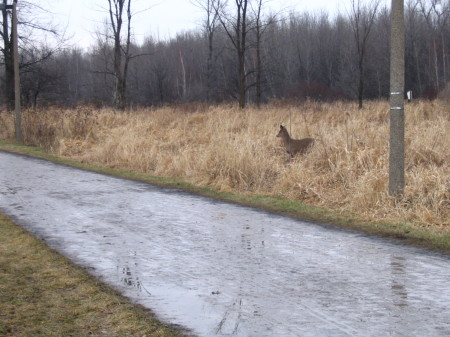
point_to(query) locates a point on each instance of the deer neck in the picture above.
(286, 139)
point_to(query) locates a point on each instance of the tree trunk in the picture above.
(444, 65)
(238, 36)
(119, 90)
(120, 68)
(258, 56)
(362, 20)
(209, 69)
(212, 8)
(183, 79)
(241, 35)
(361, 82)
(436, 64)
(242, 100)
(419, 76)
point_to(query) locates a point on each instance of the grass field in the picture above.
(228, 149)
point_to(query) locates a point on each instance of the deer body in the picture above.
(294, 146)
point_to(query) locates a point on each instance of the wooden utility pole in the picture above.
(18, 118)
(397, 111)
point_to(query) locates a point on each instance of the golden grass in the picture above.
(234, 150)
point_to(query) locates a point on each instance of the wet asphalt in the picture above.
(219, 269)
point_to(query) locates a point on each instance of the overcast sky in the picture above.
(162, 19)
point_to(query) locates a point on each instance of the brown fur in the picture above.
(294, 146)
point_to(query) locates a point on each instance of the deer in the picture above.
(294, 146)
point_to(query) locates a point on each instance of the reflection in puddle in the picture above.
(128, 272)
(128, 279)
(246, 241)
(398, 270)
(132, 281)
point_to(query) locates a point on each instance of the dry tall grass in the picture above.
(231, 149)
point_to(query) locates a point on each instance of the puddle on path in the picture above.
(225, 270)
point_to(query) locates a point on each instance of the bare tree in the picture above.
(39, 78)
(437, 16)
(412, 15)
(161, 74)
(30, 20)
(259, 34)
(212, 9)
(101, 68)
(237, 29)
(116, 13)
(362, 18)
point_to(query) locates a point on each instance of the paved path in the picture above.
(225, 270)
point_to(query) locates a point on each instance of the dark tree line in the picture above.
(283, 56)
(31, 56)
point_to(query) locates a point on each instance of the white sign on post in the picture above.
(409, 95)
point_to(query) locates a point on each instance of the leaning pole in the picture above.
(397, 110)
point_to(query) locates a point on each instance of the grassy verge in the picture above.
(429, 237)
(43, 294)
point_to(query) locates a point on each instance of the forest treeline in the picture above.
(287, 56)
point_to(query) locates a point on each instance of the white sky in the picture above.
(163, 19)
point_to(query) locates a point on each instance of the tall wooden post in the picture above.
(397, 111)
(18, 117)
